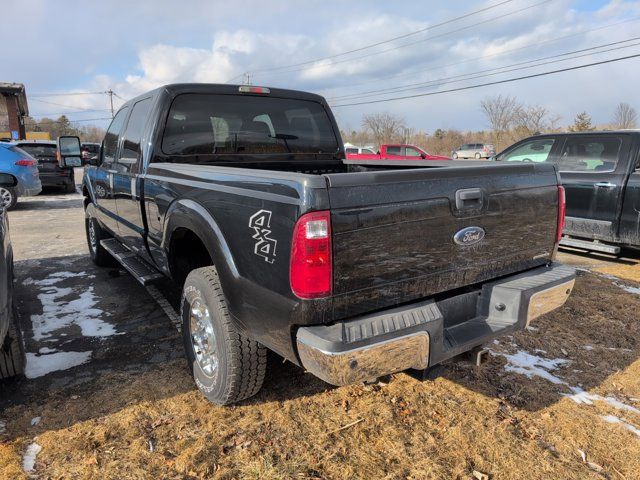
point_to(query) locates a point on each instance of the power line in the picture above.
(380, 52)
(504, 52)
(366, 47)
(498, 82)
(494, 71)
(70, 112)
(64, 94)
(60, 104)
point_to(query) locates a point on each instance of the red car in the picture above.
(396, 152)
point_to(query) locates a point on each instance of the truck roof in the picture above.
(174, 89)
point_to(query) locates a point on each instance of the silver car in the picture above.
(474, 150)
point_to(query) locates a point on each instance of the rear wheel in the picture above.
(12, 356)
(478, 156)
(8, 197)
(227, 366)
(95, 233)
(454, 156)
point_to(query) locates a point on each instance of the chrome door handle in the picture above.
(112, 171)
(605, 185)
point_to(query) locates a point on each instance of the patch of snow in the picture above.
(45, 350)
(58, 312)
(532, 329)
(3, 427)
(588, 347)
(29, 459)
(35, 421)
(628, 426)
(581, 397)
(40, 365)
(531, 365)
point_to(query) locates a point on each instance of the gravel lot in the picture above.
(108, 395)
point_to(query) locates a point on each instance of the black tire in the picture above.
(454, 156)
(99, 255)
(70, 188)
(12, 356)
(8, 197)
(240, 362)
(478, 156)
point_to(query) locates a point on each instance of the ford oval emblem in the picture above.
(469, 236)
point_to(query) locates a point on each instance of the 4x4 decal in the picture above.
(265, 246)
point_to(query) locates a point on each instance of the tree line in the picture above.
(61, 126)
(509, 121)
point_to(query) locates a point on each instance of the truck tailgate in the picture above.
(393, 230)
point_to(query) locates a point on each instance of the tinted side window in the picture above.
(412, 152)
(131, 151)
(111, 137)
(590, 154)
(394, 150)
(351, 150)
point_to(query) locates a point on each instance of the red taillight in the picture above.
(562, 209)
(26, 163)
(310, 271)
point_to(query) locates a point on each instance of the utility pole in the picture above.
(247, 78)
(110, 93)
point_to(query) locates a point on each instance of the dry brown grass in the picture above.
(155, 425)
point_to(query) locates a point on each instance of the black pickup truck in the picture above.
(600, 172)
(242, 196)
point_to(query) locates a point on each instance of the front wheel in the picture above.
(8, 197)
(454, 156)
(227, 366)
(478, 156)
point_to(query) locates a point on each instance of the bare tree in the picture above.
(625, 116)
(501, 112)
(385, 127)
(534, 119)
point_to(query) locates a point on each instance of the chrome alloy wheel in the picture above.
(203, 337)
(6, 197)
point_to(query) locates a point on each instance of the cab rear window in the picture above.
(208, 124)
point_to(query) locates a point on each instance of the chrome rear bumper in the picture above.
(426, 333)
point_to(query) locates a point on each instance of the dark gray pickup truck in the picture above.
(601, 174)
(242, 196)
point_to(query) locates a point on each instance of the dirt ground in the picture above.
(109, 396)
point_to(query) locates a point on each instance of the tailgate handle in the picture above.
(470, 198)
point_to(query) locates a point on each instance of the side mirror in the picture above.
(8, 181)
(69, 154)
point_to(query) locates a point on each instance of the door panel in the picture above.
(102, 180)
(629, 232)
(594, 178)
(126, 180)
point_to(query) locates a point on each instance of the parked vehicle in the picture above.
(474, 150)
(601, 176)
(90, 152)
(352, 270)
(12, 356)
(354, 150)
(51, 174)
(397, 152)
(23, 167)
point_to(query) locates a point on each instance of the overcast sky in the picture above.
(131, 47)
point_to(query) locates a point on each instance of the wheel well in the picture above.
(186, 252)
